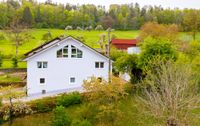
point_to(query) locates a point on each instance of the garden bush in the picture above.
(61, 118)
(43, 105)
(18, 109)
(15, 62)
(69, 99)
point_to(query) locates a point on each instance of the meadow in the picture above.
(91, 38)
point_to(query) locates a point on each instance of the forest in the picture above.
(122, 17)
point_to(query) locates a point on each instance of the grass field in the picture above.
(91, 37)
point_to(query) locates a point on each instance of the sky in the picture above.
(164, 3)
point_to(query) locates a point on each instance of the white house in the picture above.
(61, 65)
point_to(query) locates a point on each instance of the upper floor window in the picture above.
(62, 52)
(99, 64)
(76, 53)
(42, 64)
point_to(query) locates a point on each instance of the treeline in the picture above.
(123, 17)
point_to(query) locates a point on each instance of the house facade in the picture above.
(63, 64)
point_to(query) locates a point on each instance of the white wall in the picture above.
(59, 71)
(133, 50)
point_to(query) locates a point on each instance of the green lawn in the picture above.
(91, 37)
(8, 78)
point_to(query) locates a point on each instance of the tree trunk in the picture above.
(194, 35)
(172, 122)
(10, 112)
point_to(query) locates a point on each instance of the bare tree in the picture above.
(15, 33)
(170, 92)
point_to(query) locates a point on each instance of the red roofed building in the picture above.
(124, 44)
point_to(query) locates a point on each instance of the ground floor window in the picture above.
(42, 80)
(72, 80)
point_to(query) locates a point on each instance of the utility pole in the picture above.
(109, 65)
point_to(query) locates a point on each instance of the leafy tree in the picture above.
(191, 21)
(155, 48)
(27, 16)
(107, 21)
(128, 64)
(156, 30)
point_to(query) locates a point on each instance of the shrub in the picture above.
(61, 118)
(88, 111)
(68, 27)
(43, 105)
(69, 99)
(81, 123)
(15, 62)
(79, 28)
(99, 27)
(18, 109)
(2, 37)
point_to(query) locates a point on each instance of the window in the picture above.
(72, 79)
(76, 53)
(96, 64)
(45, 64)
(43, 91)
(62, 52)
(99, 64)
(42, 64)
(39, 64)
(42, 80)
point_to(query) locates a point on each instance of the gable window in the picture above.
(62, 52)
(75, 52)
(99, 64)
(42, 80)
(72, 80)
(41, 64)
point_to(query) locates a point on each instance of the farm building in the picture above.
(129, 45)
(62, 64)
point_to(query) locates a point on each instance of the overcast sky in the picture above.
(164, 3)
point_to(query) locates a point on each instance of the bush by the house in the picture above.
(43, 105)
(69, 99)
(61, 118)
(15, 62)
(18, 109)
(81, 123)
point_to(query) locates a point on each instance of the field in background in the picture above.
(91, 38)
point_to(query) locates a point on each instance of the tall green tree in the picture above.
(27, 16)
(191, 21)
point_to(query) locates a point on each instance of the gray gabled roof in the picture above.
(52, 43)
